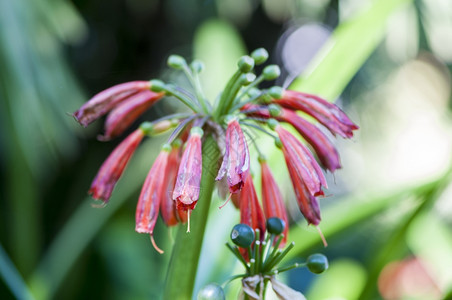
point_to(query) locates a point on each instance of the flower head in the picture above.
(126, 112)
(272, 199)
(236, 159)
(328, 114)
(300, 160)
(113, 167)
(106, 100)
(186, 190)
(151, 194)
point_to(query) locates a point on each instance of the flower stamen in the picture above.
(155, 245)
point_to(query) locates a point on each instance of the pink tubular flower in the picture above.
(325, 150)
(300, 160)
(168, 205)
(272, 199)
(328, 114)
(186, 190)
(113, 167)
(308, 204)
(106, 100)
(126, 112)
(151, 194)
(250, 209)
(236, 160)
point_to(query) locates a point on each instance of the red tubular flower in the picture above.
(151, 194)
(168, 205)
(325, 150)
(300, 159)
(272, 199)
(113, 167)
(126, 112)
(236, 160)
(106, 100)
(328, 114)
(250, 209)
(308, 204)
(186, 190)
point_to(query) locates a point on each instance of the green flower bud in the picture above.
(242, 235)
(317, 263)
(278, 143)
(197, 66)
(274, 110)
(276, 92)
(197, 130)
(246, 64)
(272, 123)
(176, 62)
(275, 225)
(157, 85)
(260, 56)
(247, 78)
(212, 291)
(254, 92)
(166, 147)
(146, 127)
(271, 72)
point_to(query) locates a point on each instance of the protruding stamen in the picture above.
(325, 244)
(188, 220)
(155, 245)
(226, 202)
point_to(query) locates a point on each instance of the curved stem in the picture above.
(184, 259)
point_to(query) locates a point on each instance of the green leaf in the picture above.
(351, 43)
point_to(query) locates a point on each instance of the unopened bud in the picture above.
(245, 64)
(176, 62)
(271, 72)
(276, 92)
(260, 56)
(197, 66)
(274, 110)
(157, 85)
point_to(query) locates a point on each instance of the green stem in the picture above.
(184, 259)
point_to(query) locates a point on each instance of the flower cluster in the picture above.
(259, 253)
(172, 187)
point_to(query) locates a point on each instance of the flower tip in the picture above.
(100, 205)
(155, 245)
(78, 117)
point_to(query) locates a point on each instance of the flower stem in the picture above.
(184, 259)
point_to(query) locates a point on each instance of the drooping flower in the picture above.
(325, 150)
(186, 190)
(250, 209)
(151, 194)
(300, 159)
(236, 159)
(168, 205)
(272, 199)
(126, 112)
(328, 114)
(106, 100)
(113, 167)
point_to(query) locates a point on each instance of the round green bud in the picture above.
(166, 147)
(260, 56)
(247, 78)
(242, 235)
(272, 123)
(278, 143)
(197, 130)
(276, 92)
(254, 92)
(271, 72)
(197, 66)
(275, 225)
(157, 86)
(146, 127)
(177, 143)
(317, 263)
(245, 64)
(274, 110)
(212, 291)
(176, 62)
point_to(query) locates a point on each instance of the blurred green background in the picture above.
(387, 214)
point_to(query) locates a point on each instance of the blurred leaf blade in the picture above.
(351, 43)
